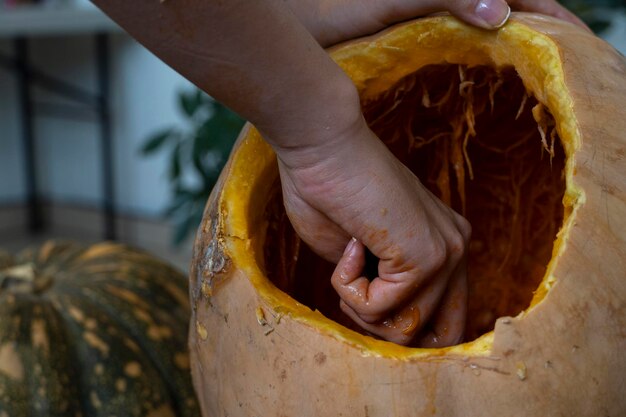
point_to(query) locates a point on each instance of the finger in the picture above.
(348, 280)
(402, 326)
(445, 312)
(347, 273)
(352, 287)
(372, 301)
(550, 8)
(448, 324)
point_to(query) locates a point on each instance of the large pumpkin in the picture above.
(524, 131)
(93, 331)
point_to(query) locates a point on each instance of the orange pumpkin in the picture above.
(522, 130)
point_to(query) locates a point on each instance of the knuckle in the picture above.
(456, 247)
(458, 241)
(368, 312)
(372, 312)
(363, 312)
(371, 318)
(465, 228)
(401, 339)
(437, 257)
(449, 249)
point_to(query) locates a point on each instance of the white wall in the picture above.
(144, 97)
(145, 101)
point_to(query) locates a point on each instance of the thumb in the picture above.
(488, 14)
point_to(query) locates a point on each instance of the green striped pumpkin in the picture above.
(93, 331)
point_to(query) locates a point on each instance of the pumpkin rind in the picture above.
(106, 337)
(256, 351)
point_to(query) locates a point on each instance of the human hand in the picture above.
(360, 195)
(334, 21)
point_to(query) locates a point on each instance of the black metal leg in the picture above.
(35, 218)
(106, 139)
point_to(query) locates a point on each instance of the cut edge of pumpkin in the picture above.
(373, 66)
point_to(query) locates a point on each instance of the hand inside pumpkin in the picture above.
(360, 189)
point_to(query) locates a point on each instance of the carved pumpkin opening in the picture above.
(482, 144)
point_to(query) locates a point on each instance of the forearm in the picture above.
(254, 56)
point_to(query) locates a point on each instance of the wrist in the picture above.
(319, 128)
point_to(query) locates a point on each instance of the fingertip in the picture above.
(492, 14)
(350, 246)
(348, 280)
(505, 19)
(447, 327)
(350, 265)
(445, 330)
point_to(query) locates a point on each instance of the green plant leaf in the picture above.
(214, 129)
(190, 102)
(207, 173)
(175, 165)
(598, 26)
(181, 199)
(156, 141)
(218, 133)
(188, 223)
(182, 229)
(203, 141)
(597, 14)
(200, 168)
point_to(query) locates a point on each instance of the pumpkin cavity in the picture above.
(482, 144)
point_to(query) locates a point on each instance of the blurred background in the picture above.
(100, 140)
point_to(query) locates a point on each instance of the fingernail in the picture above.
(494, 13)
(349, 246)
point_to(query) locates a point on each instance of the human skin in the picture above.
(343, 190)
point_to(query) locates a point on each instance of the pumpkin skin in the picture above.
(93, 331)
(257, 351)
